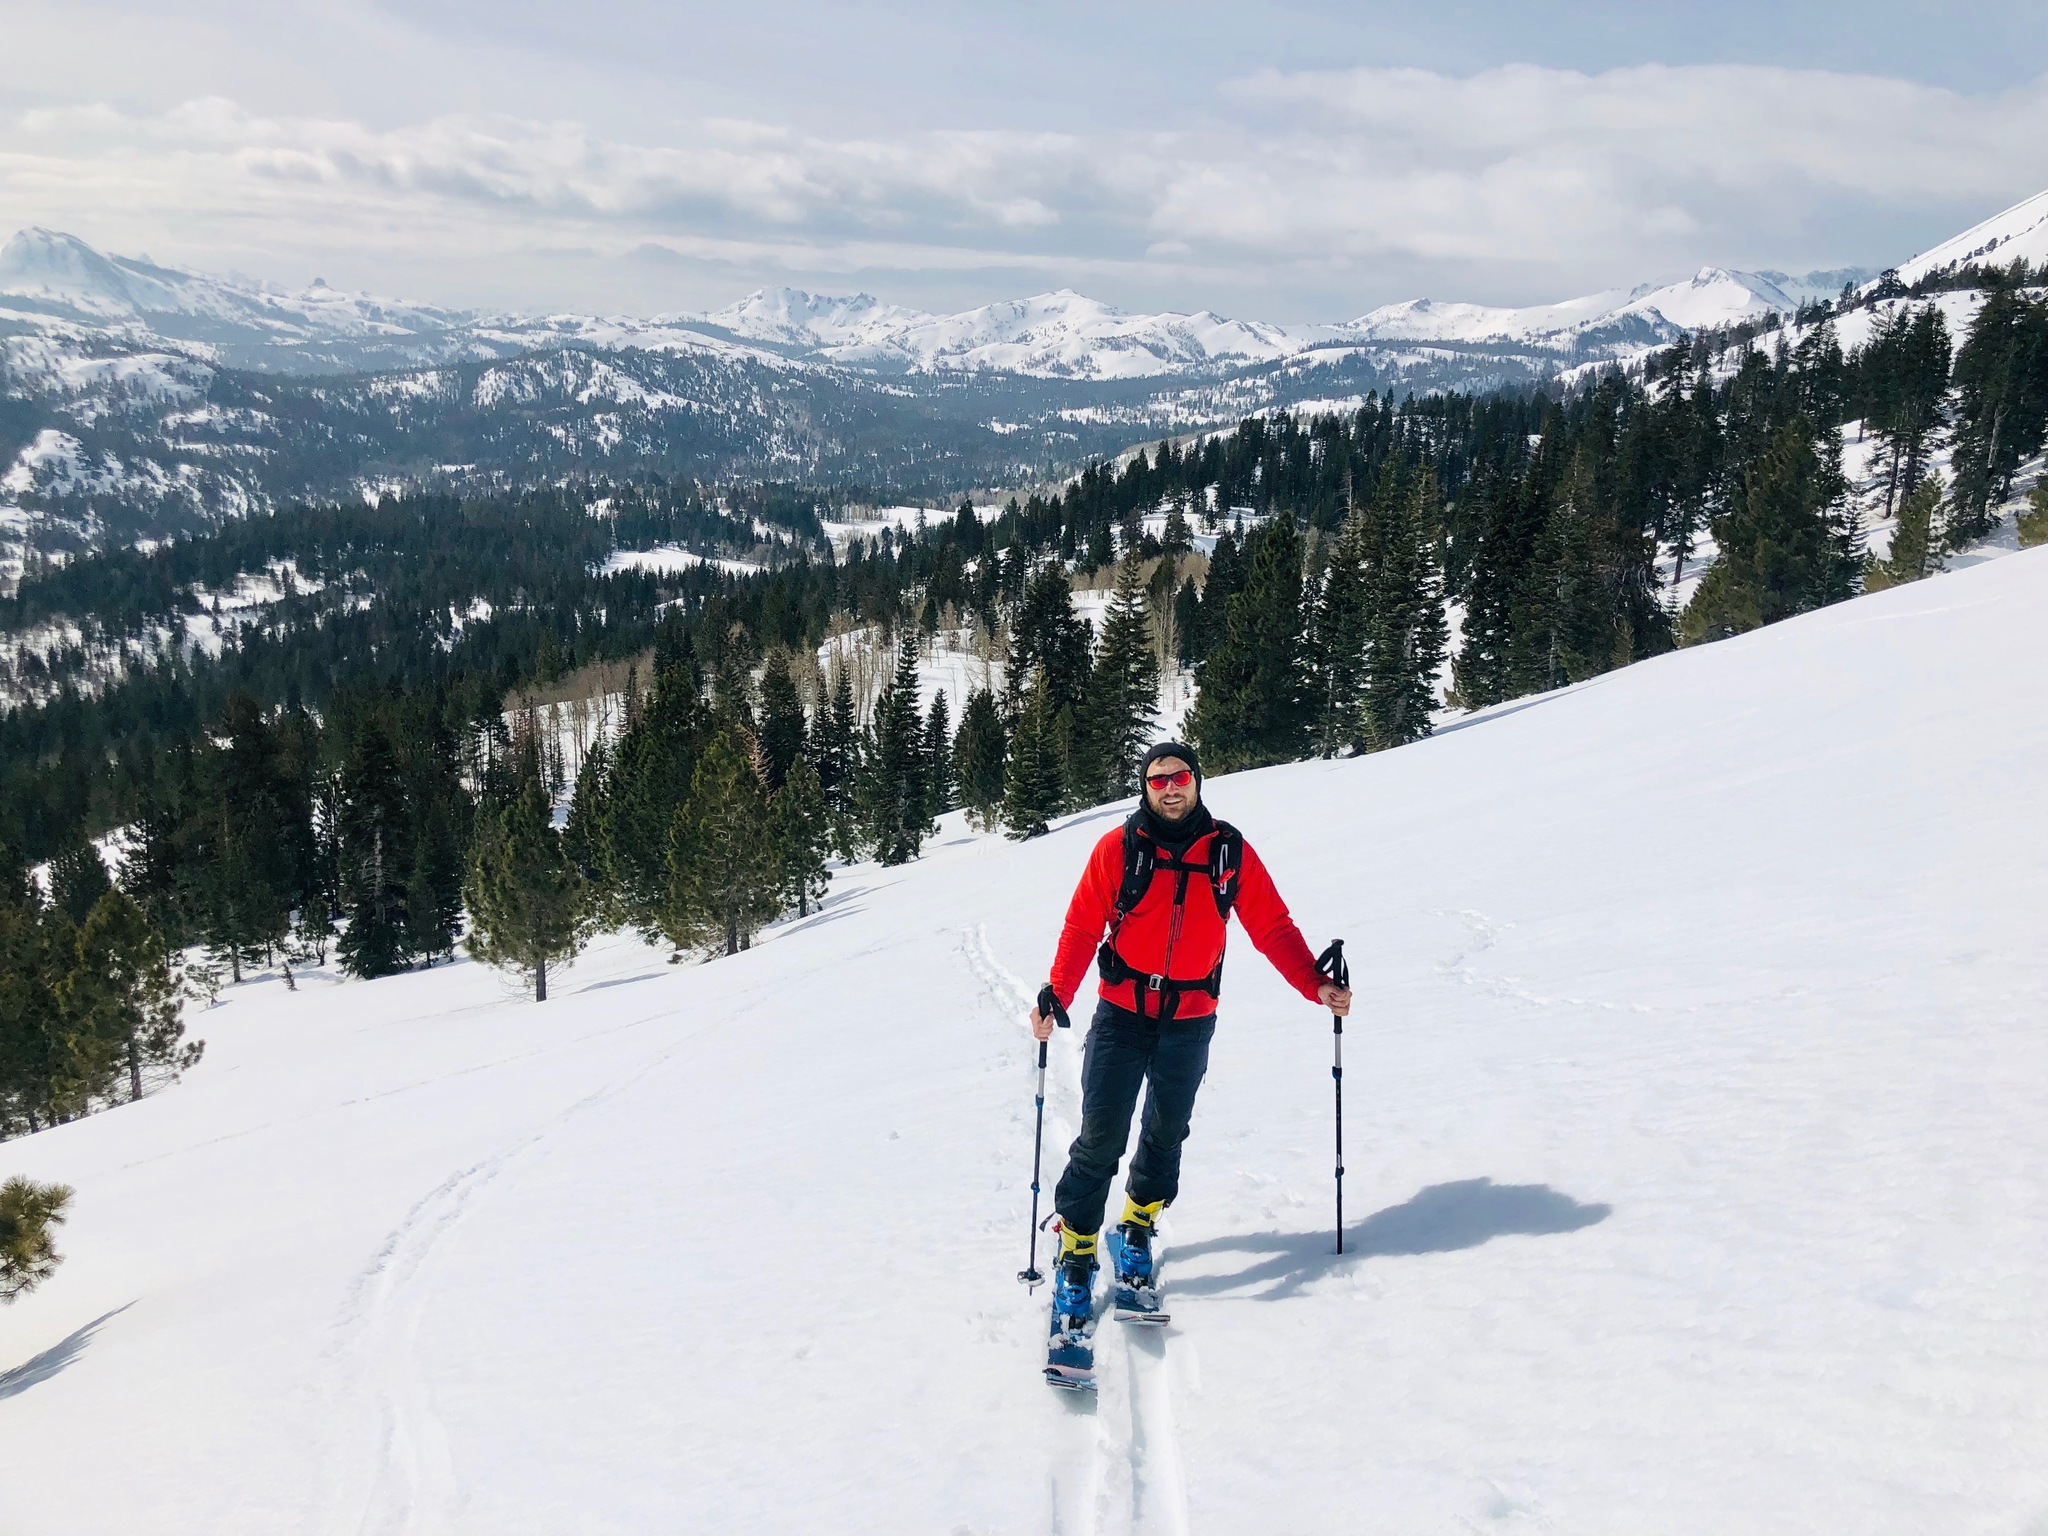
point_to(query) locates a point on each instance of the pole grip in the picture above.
(1049, 1003)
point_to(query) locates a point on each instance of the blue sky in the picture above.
(1289, 162)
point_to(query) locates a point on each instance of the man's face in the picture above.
(1175, 800)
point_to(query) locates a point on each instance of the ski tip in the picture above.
(1066, 1383)
(1144, 1317)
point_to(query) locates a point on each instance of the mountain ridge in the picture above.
(1057, 334)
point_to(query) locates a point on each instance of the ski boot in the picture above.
(1130, 1250)
(1070, 1351)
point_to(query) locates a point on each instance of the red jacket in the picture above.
(1147, 938)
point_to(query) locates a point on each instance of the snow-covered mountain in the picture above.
(2020, 231)
(57, 280)
(1068, 335)
(58, 274)
(793, 318)
(1693, 1137)
(1050, 335)
(1647, 314)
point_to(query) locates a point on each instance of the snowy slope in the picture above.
(1693, 1134)
(2022, 230)
(1713, 296)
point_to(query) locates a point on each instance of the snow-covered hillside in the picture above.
(1641, 315)
(1693, 1132)
(2020, 231)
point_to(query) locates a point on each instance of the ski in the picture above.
(1070, 1357)
(1133, 1302)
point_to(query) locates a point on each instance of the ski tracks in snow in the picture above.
(1117, 1468)
(402, 1476)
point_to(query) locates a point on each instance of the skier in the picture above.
(1152, 908)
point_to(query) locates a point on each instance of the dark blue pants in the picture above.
(1124, 1053)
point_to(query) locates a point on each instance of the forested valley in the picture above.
(338, 732)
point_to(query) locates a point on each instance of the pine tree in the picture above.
(78, 879)
(2001, 375)
(28, 1250)
(980, 756)
(1048, 633)
(1122, 703)
(1511, 529)
(38, 951)
(1187, 623)
(525, 896)
(833, 743)
(941, 787)
(149, 874)
(1906, 375)
(1177, 540)
(1205, 625)
(782, 719)
(376, 858)
(1912, 541)
(123, 998)
(1035, 785)
(1343, 633)
(657, 760)
(588, 835)
(894, 790)
(1408, 637)
(2033, 523)
(433, 888)
(1254, 706)
(1786, 543)
(802, 835)
(248, 853)
(722, 855)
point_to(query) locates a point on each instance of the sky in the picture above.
(1290, 162)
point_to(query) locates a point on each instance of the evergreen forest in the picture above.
(333, 734)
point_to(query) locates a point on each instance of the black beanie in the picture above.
(1179, 749)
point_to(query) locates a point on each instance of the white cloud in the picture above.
(1541, 180)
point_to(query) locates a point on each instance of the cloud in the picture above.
(1542, 180)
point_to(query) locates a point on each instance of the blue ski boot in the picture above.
(1130, 1250)
(1070, 1350)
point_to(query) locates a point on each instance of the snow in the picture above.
(1693, 1140)
(666, 559)
(1713, 296)
(1060, 335)
(2021, 230)
(868, 522)
(56, 268)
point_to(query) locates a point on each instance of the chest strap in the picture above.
(1140, 864)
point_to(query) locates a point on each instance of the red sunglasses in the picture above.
(1179, 780)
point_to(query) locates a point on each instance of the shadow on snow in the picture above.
(52, 1360)
(1444, 1218)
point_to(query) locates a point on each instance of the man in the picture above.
(1160, 887)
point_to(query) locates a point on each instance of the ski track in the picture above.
(406, 1479)
(1134, 1481)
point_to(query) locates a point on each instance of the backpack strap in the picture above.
(1141, 858)
(1226, 859)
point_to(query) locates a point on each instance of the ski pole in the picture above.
(1047, 1004)
(1331, 966)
